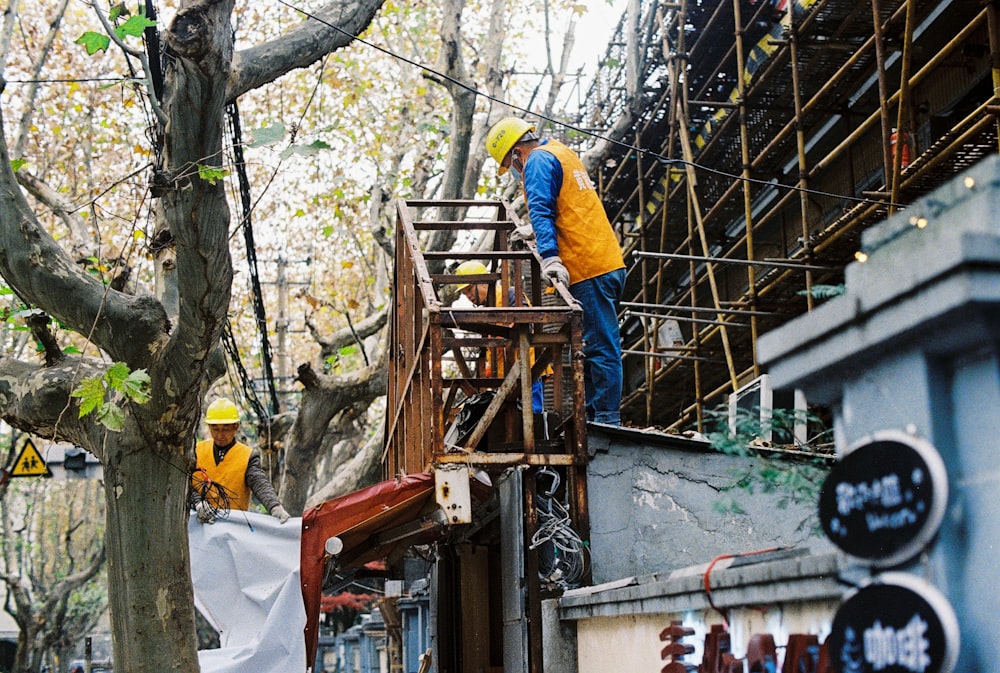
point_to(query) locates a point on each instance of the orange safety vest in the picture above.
(230, 473)
(587, 244)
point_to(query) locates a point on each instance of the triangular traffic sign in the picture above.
(30, 463)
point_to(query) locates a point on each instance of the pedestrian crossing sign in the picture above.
(30, 463)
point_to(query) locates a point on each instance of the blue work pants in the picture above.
(602, 348)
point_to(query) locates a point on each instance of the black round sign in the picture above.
(884, 500)
(898, 624)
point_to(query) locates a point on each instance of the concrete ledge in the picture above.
(797, 579)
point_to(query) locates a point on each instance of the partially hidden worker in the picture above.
(578, 248)
(228, 472)
(477, 294)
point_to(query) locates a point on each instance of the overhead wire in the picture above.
(577, 129)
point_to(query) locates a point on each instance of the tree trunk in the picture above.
(149, 574)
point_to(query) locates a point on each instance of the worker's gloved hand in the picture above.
(205, 513)
(520, 235)
(553, 270)
(280, 513)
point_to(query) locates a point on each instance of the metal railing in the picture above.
(447, 358)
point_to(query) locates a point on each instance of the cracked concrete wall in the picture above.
(657, 504)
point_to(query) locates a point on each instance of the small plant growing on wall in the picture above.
(791, 453)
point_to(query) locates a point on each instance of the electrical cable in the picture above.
(576, 129)
(566, 564)
(260, 315)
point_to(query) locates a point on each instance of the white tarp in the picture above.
(246, 582)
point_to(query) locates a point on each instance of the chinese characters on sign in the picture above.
(883, 502)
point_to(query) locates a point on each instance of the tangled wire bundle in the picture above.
(210, 499)
(563, 557)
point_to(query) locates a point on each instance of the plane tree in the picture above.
(148, 457)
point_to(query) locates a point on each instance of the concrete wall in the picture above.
(618, 625)
(914, 346)
(654, 506)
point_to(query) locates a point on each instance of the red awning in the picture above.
(371, 523)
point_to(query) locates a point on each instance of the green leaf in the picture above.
(16, 164)
(136, 386)
(116, 374)
(309, 150)
(111, 417)
(211, 174)
(93, 42)
(134, 27)
(823, 291)
(348, 350)
(117, 11)
(268, 135)
(91, 394)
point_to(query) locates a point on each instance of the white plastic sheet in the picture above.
(246, 582)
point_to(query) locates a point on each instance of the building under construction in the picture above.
(767, 136)
(763, 138)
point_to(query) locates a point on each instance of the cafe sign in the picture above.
(884, 500)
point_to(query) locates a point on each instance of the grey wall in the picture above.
(914, 345)
(654, 502)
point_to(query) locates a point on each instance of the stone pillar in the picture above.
(914, 345)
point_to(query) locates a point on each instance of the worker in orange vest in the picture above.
(578, 248)
(229, 471)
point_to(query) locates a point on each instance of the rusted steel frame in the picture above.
(745, 160)
(929, 67)
(423, 277)
(993, 21)
(460, 225)
(406, 387)
(453, 203)
(514, 314)
(883, 86)
(478, 254)
(902, 111)
(800, 145)
(432, 393)
(502, 459)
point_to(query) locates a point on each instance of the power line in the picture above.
(645, 152)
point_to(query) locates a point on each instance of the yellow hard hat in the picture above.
(503, 136)
(222, 411)
(470, 268)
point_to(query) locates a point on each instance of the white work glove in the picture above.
(280, 513)
(520, 235)
(205, 513)
(553, 270)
